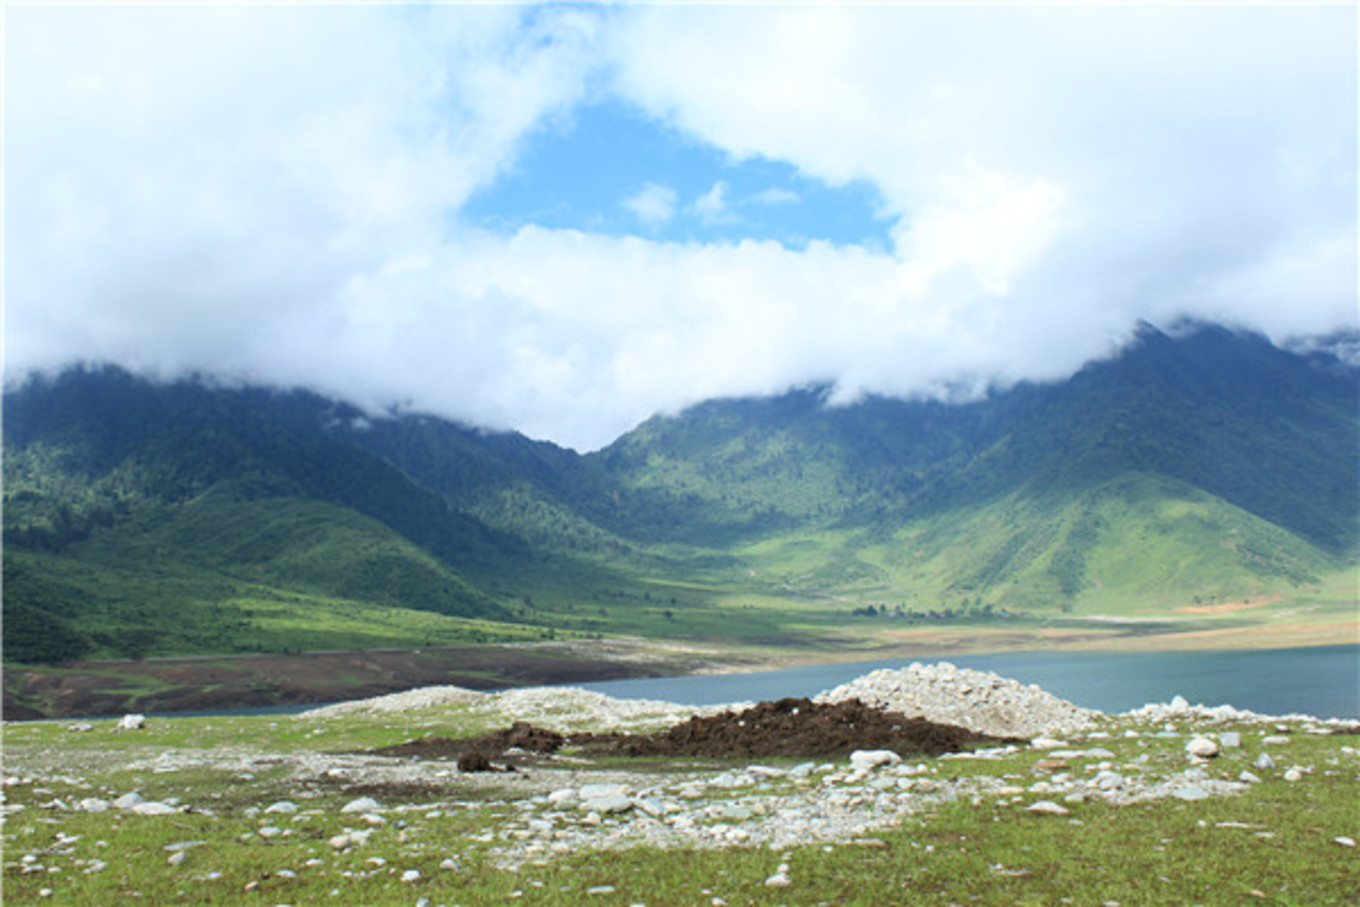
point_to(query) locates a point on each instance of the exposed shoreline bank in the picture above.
(199, 683)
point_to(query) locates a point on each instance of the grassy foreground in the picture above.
(454, 839)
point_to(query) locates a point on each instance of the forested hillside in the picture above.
(146, 517)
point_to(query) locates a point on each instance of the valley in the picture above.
(1200, 490)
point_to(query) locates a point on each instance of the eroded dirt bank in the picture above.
(95, 688)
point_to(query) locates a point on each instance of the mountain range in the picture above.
(194, 516)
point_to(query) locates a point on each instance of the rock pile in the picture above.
(567, 709)
(980, 701)
(1180, 709)
(405, 701)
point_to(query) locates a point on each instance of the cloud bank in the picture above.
(275, 194)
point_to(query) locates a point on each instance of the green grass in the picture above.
(1273, 844)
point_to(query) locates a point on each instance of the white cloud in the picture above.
(274, 193)
(776, 195)
(1130, 156)
(181, 181)
(653, 204)
(712, 205)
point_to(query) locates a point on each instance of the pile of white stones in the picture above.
(977, 700)
(943, 693)
(405, 701)
(1179, 709)
(565, 709)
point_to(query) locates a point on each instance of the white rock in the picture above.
(410, 875)
(866, 760)
(282, 806)
(177, 858)
(1344, 841)
(610, 803)
(361, 805)
(1202, 748)
(1263, 762)
(93, 805)
(650, 805)
(127, 801)
(131, 723)
(1048, 807)
(778, 880)
(1293, 774)
(154, 808)
(591, 791)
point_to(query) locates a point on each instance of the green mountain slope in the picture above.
(1138, 544)
(154, 518)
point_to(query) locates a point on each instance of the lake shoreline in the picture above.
(219, 682)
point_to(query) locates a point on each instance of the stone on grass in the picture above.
(282, 806)
(1293, 774)
(867, 760)
(1344, 841)
(154, 808)
(1190, 792)
(650, 806)
(1202, 748)
(1048, 807)
(130, 723)
(1263, 761)
(610, 803)
(361, 805)
(592, 791)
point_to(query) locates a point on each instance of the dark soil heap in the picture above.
(799, 728)
(789, 728)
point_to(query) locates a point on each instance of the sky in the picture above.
(564, 219)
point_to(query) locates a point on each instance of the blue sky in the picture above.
(563, 219)
(609, 168)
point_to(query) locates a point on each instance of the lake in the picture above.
(1319, 680)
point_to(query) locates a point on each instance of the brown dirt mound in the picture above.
(798, 728)
(520, 735)
(789, 728)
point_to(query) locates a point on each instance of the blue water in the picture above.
(1318, 680)
(1322, 681)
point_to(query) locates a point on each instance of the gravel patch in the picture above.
(406, 701)
(977, 700)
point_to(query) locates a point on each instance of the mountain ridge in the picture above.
(1201, 465)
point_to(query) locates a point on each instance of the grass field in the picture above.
(448, 840)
